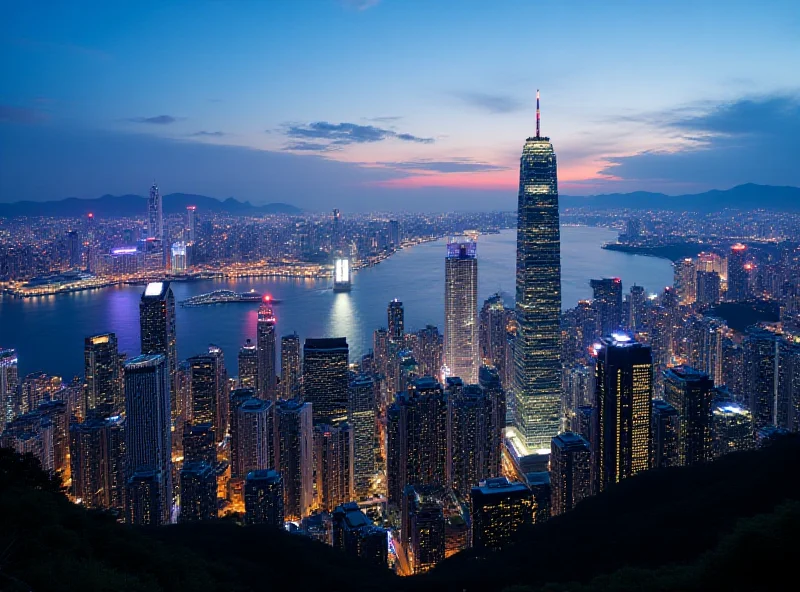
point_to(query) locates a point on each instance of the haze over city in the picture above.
(387, 105)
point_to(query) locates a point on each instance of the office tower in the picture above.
(97, 457)
(472, 438)
(103, 376)
(198, 492)
(537, 385)
(570, 471)
(637, 313)
(489, 380)
(178, 263)
(428, 350)
(417, 438)
(423, 528)
(294, 456)
(9, 381)
(183, 391)
(155, 216)
(608, 304)
(263, 498)
(148, 440)
(578, 389)
(394, 233)
(191, 224)
(583, 422)
(355, 534)
(144, 498)
(248, 365)
(494, 320)
(461, 311)
(325, 378)
(691, 392)
(333, 465)
(623, 393)
(157, 329)
(395, 318)
(57, 414)
(499, 509)
(200, 443)
(290, 366)
(762, 373)
(708, 288)
(265, 336)
(685, 278)
(665, 426)
(254, 438)
(732, 428)
(210, 390)
(706, 338)
(738, 281)
(361, 415)
(539, 484)
(75, 249)
(380, 349)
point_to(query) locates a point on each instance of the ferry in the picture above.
(224, 297)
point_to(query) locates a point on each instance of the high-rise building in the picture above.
(489, 380)
(97, 457)
(9, 382)
(333, 465)
(290, 366)
(157, 329)
(394, 233)
(210, 390)
(74, 249)
(763, 371)
(423, 528)
(607, 304)
(637, 314)
(191, 224)
(361, 415)
(294, 456)
(537, 349)
(539, 484)
(254, 438)
(325, 378)
(178, 261)
(199, 443)
(417, 438)
(461, 356)
(265, 336)
(428, 350)
(148, 439)
(355, 534)
(623, 394)
(248, 365)
(395, 318)
(665, 426)
(570, 471)
(144, 498)
(706, 338)
(499, 510)
(691, 393)
(472, 438)
(155, 215)
(493, 342)
(738, 281)
(198, 492)
(708, 288)
(685, 275)
(732, 428)
(263, 498)
(103, 376)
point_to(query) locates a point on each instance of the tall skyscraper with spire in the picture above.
(155, 215)
(537, 385)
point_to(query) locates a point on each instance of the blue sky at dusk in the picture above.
(394, 104)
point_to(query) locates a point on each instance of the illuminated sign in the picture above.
(342, 271)
(154, 289)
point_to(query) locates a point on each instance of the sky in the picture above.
(387, 105)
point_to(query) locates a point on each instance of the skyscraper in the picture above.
(608, 304)
(361, 415)
(570, 471)
(355, 534)
(333, 465)
(493, 342)
(294, 456)
(97, 458)
(198, 492)
(200, 444)
(395, 317)
(155, 216)
(499, 510)
(266, 351)
(210, 390)
(9, 381)
(325, 378)
(461, 311)
(691, 393)
(254, 438)
(263, 498)
(708, 288)
(147, 434)
(637, 314)
(423, 528)
(665, 426)
(537, 349)
(157, 329)
(685, 275)
(190, 236)
(428, 349)
(103, 376)
(738, 285)
(290, 366)
(623, 394)
(732, 428)
(248, 365)
(489, 380)
(472, 438)
(762, 366)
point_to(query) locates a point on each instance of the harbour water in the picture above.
(48, 331)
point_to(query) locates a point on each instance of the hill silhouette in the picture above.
(729, 525)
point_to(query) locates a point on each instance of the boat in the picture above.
(225, 297)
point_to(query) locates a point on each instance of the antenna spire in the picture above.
(538, 116)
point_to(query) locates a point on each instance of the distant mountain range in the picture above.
(120, 206)
(746, 197)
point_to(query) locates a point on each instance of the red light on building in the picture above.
(90, 215)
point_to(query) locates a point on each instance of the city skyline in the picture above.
(443, 134)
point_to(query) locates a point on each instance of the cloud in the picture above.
(308, 146)
(327, 135)
(20, 114)
(385, 118)
(157, 120)
(491, 102)
(754, 139)
(456, 165)
(204, 134)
